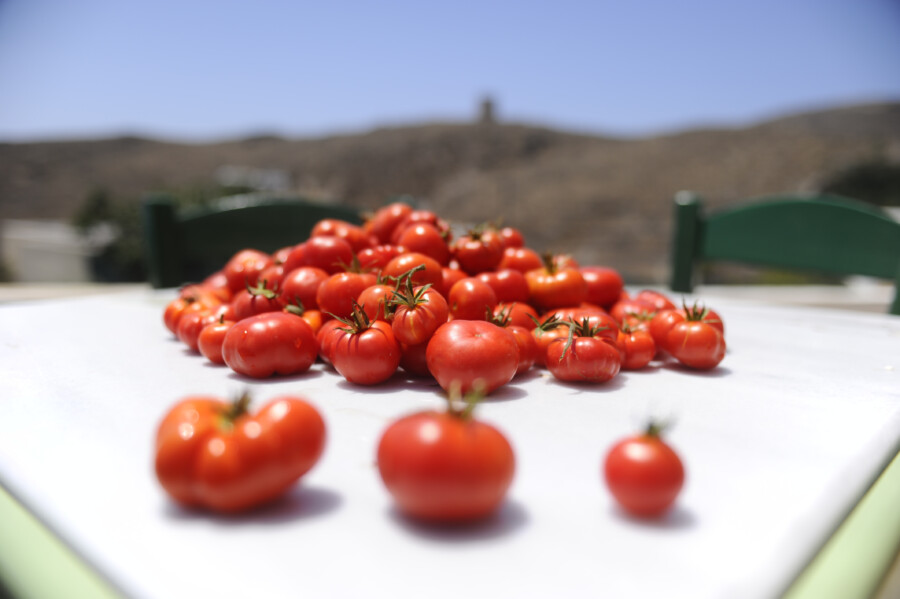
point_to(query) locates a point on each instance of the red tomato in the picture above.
(445, 467)
(432, 274)
(511, 237)
(528, 348)
(637, 348)
(468, 351)
(658, 300)
(314, 318)
(644, 474)
(352, 234)
(326, 336)
(272, 276)
(338, 293)
(549, 287)
(471, 299)
(244, 267)
(197, 302)
(374, 259)
(386, 219)
(604, 285)
(217, 284)
(413, 360)
(191, 324)
(696, 344)
(300, 285)
(627, 306)
(418, 312)
(479, 251)
(520, 258)
(216, 455)
(210, 340)
(509, 284)
(375, 301)
(425, 239)
(544, 334)
(365, 353)
(270, 343)
(331, 254)
(421, 216)
(583, 356)
(449, 276)
(255, 300)
(519, 314)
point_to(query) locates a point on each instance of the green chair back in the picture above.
(824, 233)
(187, 245)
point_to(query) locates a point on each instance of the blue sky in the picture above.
(199, 70)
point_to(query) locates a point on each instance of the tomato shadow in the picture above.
(508, 392)
(617, 383)
(677, 518)
(277, 378)
(300, 503)
(399, 381)
(713, 373)
(509, 519)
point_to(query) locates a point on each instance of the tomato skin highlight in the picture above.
(441, 467)
(696, 344)
(644, 475)
(200, 462)
(367, 357)
(270, 343)
(471, 350)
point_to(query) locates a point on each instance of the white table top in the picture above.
(779, 443)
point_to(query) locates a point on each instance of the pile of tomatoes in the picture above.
(400, 292)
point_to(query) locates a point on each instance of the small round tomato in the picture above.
(216, 455)
(644, 474)
(479, 251)
(331, 254)
(583, 356)
(197, 302)
(445, 467)
(352, 234)
(550, 287)
(255, 300)
(421, 216)
(365, 352)
(338, 293)
(696, 344)
(519, 314)
(326, 336)
(244, 267)
(509, 284)
(658, 300)
(604, 285)
(425, 238)
(418, 312)
(627, 307)
(210, 340)
(432, 274)
(270, 343)
(511, 237)
(520, 258)
(386, 219)
(468, 351)
(301, 285)
(374, 259)
(637, 348)
(471, 299)
(449, 276)
(191, 324)
(545, 333)
(413, 360)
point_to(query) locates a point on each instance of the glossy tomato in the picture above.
(418, 312)
(583, 355)
(364, 352)
(386, 219)
(644, 474)
(472, 353)
(445, 467)
(479, 251)
(604, 285)
(214, 454)
(696, 344)
(244, 267)
(471, 299)
(338, 293)
(270, 343)
(211, 338)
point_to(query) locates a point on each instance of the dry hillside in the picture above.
(605, 200)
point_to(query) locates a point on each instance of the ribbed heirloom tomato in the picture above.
(445, 466)
(214, 454)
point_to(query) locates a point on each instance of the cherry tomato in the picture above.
(696, 344)
(425, 238)
(511, 237)
(468, 351)
(191, 324)
(583, 356)
(374, 259)
(644, 474)
(520, 258)
(471, 299)
(210, 340)
(508, 284)
(604, 285)
(365, 352)
(418, 312)
(637, 348)
(244, 267)
(479, 251)
(195, 302)
(216, 455)
(270, 343)
(386, 219)
(445, 466)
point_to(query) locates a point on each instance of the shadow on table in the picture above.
(300, 503)
(277, 378)
(402, 381)
(509, 519)
(677, 518)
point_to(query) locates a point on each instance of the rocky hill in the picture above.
(608, 201)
